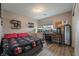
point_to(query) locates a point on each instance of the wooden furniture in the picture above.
(57, 38)
(54, 38)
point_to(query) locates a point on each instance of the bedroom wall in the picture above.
(49, 20)
(7, 16)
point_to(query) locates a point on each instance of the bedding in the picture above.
(24, 44)
(17, 44)
(34, 40)
(26, 36)
(9, 36)
(14, 47)
(6, 47)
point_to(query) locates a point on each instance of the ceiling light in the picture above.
(38, 9)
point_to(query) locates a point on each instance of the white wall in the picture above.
(75, 31)
(7, 16)
(49, 20)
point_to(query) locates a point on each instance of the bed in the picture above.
(21, 44)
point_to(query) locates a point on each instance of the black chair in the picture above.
(48, 38)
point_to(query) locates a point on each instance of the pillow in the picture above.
(22, 34)
(9, 36)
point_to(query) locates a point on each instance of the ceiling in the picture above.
(37, 10)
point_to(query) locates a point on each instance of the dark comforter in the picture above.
(17, 46)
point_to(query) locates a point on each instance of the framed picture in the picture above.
(15, 24)
(31, 25)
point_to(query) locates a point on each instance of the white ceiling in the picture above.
(47, 9)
